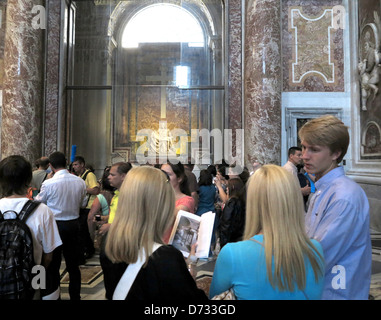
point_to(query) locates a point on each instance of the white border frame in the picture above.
(333, 101)
(330, 63)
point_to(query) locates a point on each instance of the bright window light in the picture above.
(162, 23)
(182, 76)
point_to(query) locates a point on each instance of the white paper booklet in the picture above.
(190, 228)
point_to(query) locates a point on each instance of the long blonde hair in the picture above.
(275, 208)
(145, 211)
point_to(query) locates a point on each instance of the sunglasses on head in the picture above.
(166, 174)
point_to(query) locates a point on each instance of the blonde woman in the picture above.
(144, 213)
(276, 260)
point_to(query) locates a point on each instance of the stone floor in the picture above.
(91, 289)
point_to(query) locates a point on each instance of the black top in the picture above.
(165, 278)
(232, 221)
(303, 181)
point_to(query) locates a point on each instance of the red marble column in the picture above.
(235, 121)
(262, 81)
(235, 64)
(21, 130)
(55, 116)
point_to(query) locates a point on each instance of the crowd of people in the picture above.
(278, 234)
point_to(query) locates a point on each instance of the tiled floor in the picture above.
(95, 289)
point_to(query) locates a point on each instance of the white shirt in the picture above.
(41, 223)
(290, 167)
(64, 194)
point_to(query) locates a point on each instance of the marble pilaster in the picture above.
(23, 82)
(262, 81)
(234, 108)
(235, 64)
(54, 95)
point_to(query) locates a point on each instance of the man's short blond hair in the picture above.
(326, 131)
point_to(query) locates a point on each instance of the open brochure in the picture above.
(190, 228)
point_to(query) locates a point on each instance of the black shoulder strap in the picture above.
(27, 209)
(46, 175)
(85, 175)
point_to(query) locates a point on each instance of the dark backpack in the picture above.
(16, 255)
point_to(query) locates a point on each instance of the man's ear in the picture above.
(51, 167)
(336, 155)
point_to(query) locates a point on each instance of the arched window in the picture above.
(163, 23)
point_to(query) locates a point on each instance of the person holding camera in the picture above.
(100, 208)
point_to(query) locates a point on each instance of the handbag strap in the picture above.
(128, 277)
(252, 239)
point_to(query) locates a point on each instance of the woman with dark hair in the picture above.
(207, 193)
(221, 183)
(232, 221)
(212, 170)
(179, 182)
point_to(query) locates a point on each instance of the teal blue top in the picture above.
(104, 205)
(242, 266)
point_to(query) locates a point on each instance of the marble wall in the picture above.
(30, 107)
(53, 90)
(312, 46)
(301, 56)
(235, 76)
(262, 81)
(3, 12)
(315, 66)
(304, 54)
(22, 117)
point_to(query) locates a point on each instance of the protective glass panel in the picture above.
(162, 62)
